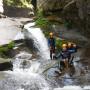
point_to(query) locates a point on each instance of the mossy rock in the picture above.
(4, 50)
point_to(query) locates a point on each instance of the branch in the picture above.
(70, 3)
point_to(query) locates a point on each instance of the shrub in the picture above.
(41, 21)
(59, 43)
(5, 49)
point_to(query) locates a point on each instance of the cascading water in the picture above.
(40, 41)
(26, 73)
(24, 78)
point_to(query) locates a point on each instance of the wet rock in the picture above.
(18, 12)
(5, 64)
(24, 55)
(12, 26)
(2, 16)
(7, 25)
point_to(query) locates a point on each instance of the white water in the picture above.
(40, 41)
(27, 76)
(73, 88)
(19, 59)
(1, 6)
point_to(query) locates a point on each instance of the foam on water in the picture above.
(24, 78)
(20, 58)
(40, 41)
(73, 88)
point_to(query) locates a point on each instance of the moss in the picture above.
(40, 13)
(5, 49)
(11, 45)
(41, 21)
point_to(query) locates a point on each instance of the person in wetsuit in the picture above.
(51, 43)
(64, 55)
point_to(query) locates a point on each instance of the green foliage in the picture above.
(40, 13)
(11, 45)
(18, 3)
(4, 49)
(41, 21)
(59, 43)
(46, 33)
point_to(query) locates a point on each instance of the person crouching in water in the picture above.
(64, 54)
(51, 43)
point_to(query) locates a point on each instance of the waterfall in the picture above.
(1, 6)
(39, 39)
(26, 74)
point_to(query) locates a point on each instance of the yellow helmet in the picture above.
(69, 44)
(64, 45)
(51, 34)
(74, 45)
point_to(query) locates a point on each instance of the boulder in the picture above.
(1, 6)
(5, 64)
(9, 30)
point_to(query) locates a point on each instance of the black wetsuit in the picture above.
(64, 55)
(51, 43)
